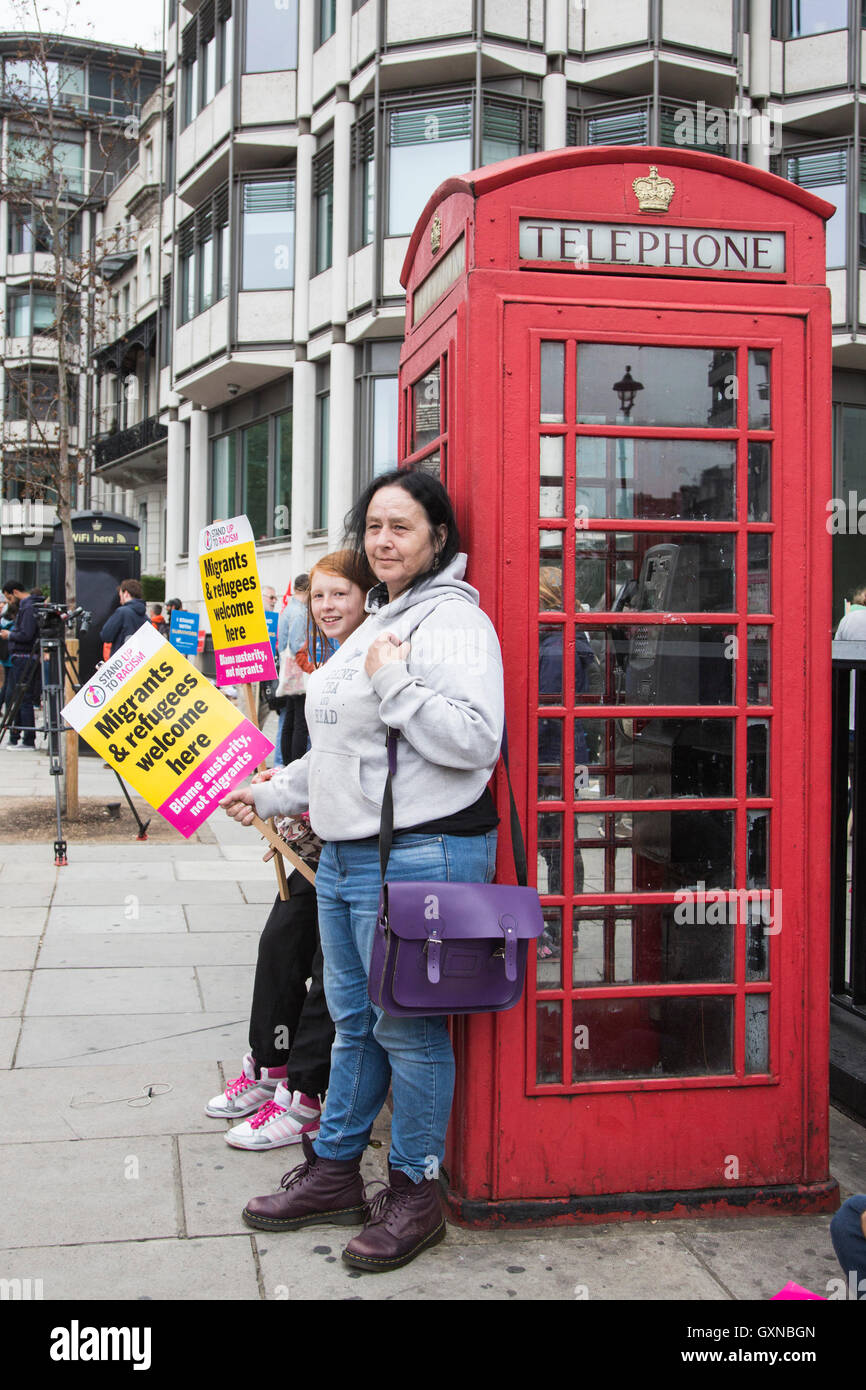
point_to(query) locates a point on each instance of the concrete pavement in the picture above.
(124, 997)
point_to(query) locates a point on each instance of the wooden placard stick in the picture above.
(251, 700)
(278, 843)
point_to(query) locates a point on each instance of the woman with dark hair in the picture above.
(426, 664)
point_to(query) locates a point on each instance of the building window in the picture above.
(271, 38)
(826, 171)
(33, 395)
(796, 19)
(850, 441)
(363, 182)
(206, 47)
(426, 144)
(282, 512)
(326, 20)
(169, 150)
(32, 161)
(268, 235)
(251, 475)
(146, 273)
(30, 80)
(30, 312)
(323, 445)
(376, 401)
(203, 271)
(323, 209)
(165, 323)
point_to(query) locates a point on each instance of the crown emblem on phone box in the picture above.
(654, 192)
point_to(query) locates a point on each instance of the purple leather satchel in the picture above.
(450, 948)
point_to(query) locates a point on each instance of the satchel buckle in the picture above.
(508, 924)
(432, 950)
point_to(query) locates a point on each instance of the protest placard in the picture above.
(183, 632)
(233, 596)
(162, 726)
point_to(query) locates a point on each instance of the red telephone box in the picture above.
(618, 359)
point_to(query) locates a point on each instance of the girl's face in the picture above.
(337, 605)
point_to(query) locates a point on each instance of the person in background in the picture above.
(848, 1234)
(22, 640)
(7, 620)
(291, 638)
(158, 620)
(127, 618)
(269, 596)
(852, 628)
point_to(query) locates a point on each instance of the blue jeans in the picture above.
(372, 1049)
(278, 756)
(849, 1242)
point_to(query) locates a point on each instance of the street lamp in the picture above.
(627, 389)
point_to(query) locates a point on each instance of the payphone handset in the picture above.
(657, 672)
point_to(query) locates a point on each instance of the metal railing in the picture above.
(116, 446)
(848, 851)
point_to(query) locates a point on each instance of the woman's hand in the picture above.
(240, 805)
(264, 776)
(385, 648)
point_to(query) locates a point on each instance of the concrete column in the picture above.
(554, 93)
(343, 35)
(343, 117)
(303, 459)
(303, 232)
(198, 480)
(556, 26)
(341, 456)
(759, 50)
(175, 540)
(306, 29)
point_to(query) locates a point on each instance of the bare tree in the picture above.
(44, 184)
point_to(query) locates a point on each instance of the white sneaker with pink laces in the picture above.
(246, 1093)
(282, 1120)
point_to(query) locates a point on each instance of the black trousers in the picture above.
(294, 739)
(289, 1024)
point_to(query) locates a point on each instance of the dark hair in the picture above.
(12, 584)
(131, 587)
(156, 608)
(426, 490)
(174, 603)
(302, 582)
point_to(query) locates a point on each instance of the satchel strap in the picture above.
(386, 824)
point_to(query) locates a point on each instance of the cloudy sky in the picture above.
(108, 21)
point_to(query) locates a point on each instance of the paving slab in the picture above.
(124, 919)
(217, 1181)
(168, 1270)
(243, 917)
(106, 1040)
(18, 952)
(120, 1189)
(114, 891)
(112, 991)
(9, 1030)
(38, 892)
(115, 865)
(227, 987)
(22, 921)
(13, 989)
(223, 871)
(136, 851)
(754, 1258)
(847, 1152)
(148, 948)
(107, 1102)
(262, 891)
(592, 1264)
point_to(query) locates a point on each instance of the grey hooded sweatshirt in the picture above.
(446, 701)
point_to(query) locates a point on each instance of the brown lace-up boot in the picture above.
(319, 1192)
(404, 1219)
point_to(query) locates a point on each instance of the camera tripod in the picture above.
(50, 665)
